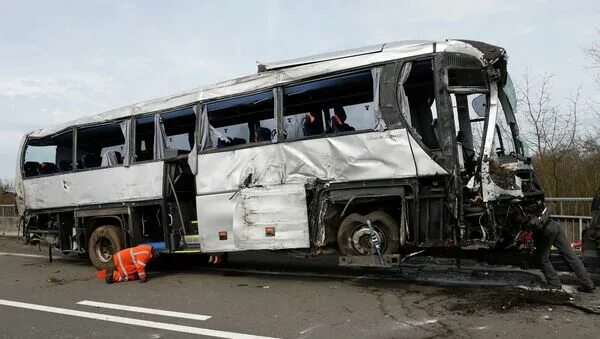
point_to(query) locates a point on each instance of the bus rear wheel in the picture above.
(354, 234)
(103, 244)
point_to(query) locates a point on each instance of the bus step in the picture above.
(193, 239)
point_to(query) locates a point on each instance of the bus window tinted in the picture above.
(144, 138)
(179, 130)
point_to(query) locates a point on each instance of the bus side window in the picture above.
(334, 105)
(179, 129)
(144, 138)
(243, 120)
(100, 146)
(49, 155)
(419, 89)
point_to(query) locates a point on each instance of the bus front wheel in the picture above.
(103, 244)
(355, 236)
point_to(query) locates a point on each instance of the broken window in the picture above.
(178, 129)
(144, 138)
(49, 155)
(503, 142)
(243, 120)
(469, 112)
(334, 105)
(419, 89)
(100, 146)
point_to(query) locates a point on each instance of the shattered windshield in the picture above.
(508, 129)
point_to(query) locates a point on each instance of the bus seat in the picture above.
(91, 160)
(65, 166)
(47, 168)
(31, 168)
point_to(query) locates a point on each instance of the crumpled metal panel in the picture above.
(282, 207)
(366, 156)
(98, 186)
(19, 187)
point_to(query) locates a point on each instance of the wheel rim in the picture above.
(360, 239)
(104, 250)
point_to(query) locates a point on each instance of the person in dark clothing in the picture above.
(312, 124)
(338, 121)
(548, 233)
(258, 133)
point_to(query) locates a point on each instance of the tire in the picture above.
(104, 242)
(355, 224)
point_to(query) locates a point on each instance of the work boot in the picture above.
(586, 289)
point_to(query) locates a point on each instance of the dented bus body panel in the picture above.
(366, 151)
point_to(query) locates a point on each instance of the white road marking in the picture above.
(145, 310)
(26, 255)
(132, 321)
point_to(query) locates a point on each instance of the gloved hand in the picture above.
(143, 280)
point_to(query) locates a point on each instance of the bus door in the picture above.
(244, 200)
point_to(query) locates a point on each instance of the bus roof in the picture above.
(280, 73)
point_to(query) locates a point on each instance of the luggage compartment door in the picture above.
(271, 217)
(256, 218)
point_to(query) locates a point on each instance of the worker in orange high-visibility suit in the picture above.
(130, 264)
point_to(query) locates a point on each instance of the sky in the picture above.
(60, 60)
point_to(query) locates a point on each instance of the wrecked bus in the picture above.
(372, 153)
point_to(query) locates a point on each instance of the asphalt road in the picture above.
(39, 299)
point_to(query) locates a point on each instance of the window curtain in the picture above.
(109, 159)
(159, 138)
(402, 98)
(376, 73)
(204, 140)
(193, 155)
(126, 129)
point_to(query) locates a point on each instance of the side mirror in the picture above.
(479, 105)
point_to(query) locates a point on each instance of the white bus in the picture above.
(371, 153)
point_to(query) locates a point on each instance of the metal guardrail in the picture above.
(573, 214)
(8, 211)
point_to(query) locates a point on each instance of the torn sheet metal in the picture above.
(99, 186)
(491, 190)
(265, 80)
(367, 156)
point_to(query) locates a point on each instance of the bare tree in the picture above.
(594, 53)
(552, 130)
(7, 184)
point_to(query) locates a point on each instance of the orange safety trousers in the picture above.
(131, 263)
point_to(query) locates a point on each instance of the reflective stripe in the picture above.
(122, 266)
(132, 256)
(141, 264)
(140, 252)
